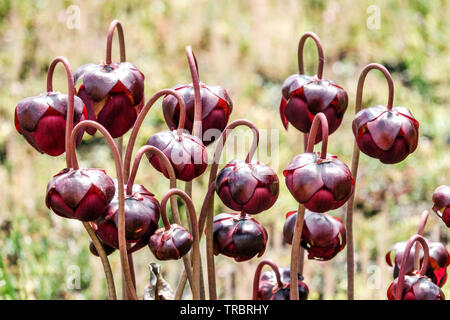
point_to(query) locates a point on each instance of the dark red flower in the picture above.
(270, 290)
(323, 235)
(141, 219)
(251, 187)
(239, 237)
(42, 121)
(186, 153)
(81, 194)
(108, 249)
(441, 199)
(416, 288)
(171, 244)
(303, 97)
(112, 94)
(216, 109)
(320, 185)
(437, 266)
(388, 135)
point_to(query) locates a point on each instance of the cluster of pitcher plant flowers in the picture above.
(121, 215)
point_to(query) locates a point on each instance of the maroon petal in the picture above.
(91, 207)
(337, 177)
(89, 108)
(307, 181)
(384, 130)
(49, 134)
(242, 184)
(319, 95)
(73, 187)
(99, 80)
(296, 112)
(57, 204)
(261, 200)
(366, 115)
(321, 201)
(224, 194)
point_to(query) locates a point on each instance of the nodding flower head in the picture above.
(81, 194)
(42, 121)
(269, 289)
(238, 236)
(303, 97)
(386, 134)
(251, 187)
(186, 153)
(320, 185)
(441, 200)
(323, 235)
(141, 219)
(216, 110)
(416, 287)
(171, 244)
(112, 94)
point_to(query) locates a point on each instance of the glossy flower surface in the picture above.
(303, 97)
(388, 135)
(108, 249)
(238, 237)
(141, 219)
(416, 288)
(112, 94)
(438, 262)
(323, 235)
(270, 290)
(171, 244)
(186, 153)
(320, 185)
(441, 200)
(249, 187)
(216, 110)
(81, 194)
(42, 121)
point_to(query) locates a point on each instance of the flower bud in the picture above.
(270, 290)
(416, 287)
(171, 244)
(441, 199)
(81, 194)
(249, 187)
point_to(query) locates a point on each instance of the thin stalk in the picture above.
(201, 226)
(121, 195)
(422, 223)
(69, 125)
(321, 120)
(195, 286)
(423, 269)
(210, 205)
(258, 275)
(301, 261)
(355, 163)
(173, 184)
(115, 24)
(301, 44)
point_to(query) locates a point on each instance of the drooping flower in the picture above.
(251, 187)
(416, 287)
(441, 199)
(270, 290)
(171, 244)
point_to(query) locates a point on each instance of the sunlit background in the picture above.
(249, 48)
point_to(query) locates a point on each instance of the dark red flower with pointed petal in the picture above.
(323, 235)
(81, 194)
(216, 109)
(303, 97)
(42, 121)
(108, 249)
(388, 135)
(112, 94)
(239, 237)
(270, 290)
(171, 244)
(441, 199)
(251, 187)
(416, 288)
(141, 219)
(186, 153)
(438, 262)
(320, 185)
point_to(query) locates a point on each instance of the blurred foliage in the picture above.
(248, 47)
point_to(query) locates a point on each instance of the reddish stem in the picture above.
(198, 109)
(322, 120)
(422, 223)
(301, 44)
(406, 253)
(140, 119)
(70, 99)
(121, 195)
(295, 252)
(258, 275)
(195, 286)
(210, 205)
(355, 163)
(113, 26)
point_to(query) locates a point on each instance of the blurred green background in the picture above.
(249, 48)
